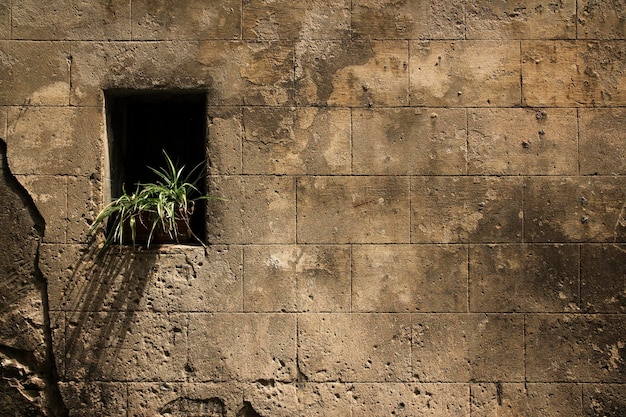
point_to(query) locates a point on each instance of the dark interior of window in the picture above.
(141, 125)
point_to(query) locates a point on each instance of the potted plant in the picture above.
(156, 212)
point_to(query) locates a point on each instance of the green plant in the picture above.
(160, 205)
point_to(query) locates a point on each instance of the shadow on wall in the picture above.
(101, 299)
(28, 377)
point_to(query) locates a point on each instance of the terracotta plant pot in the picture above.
(159, 236)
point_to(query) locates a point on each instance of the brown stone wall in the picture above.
(426, 206)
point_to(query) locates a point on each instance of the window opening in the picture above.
(141, 125)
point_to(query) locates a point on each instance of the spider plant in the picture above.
(156, 206)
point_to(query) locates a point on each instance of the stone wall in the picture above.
(425, 216)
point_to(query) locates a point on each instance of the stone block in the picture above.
(270, 283)
(562, 348)
(248, 73)
(409, 141)
(81, 20)
(534, 19)
(258, 209)
(83, 196)
(232, 73)
(601, 19)
(4, 111)
(522, 142)
(224, 142)
(55, 140)
(409, 278)
(524, 278)
(408, 20)
(242, 347)
(311, 141)
(94, 399)
(5, 21)
(80, 281)
(407, 400)
(57, 342)
(190, 19)
(187, 278)
(324, 278)
(327, 207)
(284, 19)
(573, 74)
(146, 399)
(34, 73)
(602, 141)
(49, 193)
(465, 73)
(150, 399)
(574, 209)
(466, 209)
(603, 278)
(310, 278)
(517, 399)
(325, 399)
(126, 346)
(467, 347)
(355, 74)
(604, 400)
(270, 398)
(354, 347)
(168, 279)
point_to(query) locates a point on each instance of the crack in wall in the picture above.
(27, 370)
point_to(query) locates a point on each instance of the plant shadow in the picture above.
(103, 294)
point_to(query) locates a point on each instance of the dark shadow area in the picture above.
(28, 375)
(143, 124)
(102, 296)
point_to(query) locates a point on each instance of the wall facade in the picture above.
(425, 216)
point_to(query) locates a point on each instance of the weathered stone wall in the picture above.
(426, 208)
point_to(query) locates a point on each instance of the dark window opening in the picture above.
(141, 125)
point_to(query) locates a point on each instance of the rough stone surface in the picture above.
(194, 19)
(467, 347)
(311, 278)
(82, 20)
(425, 210)
(445, 73)
(534, 19)
(27, 371)
(259, 209)
(5, 20)
(602, 141)
(408, 19)
(602, 272)
(593, 74)
(604, 400)
(354, 347)
(601, 19)
(241, 347)
(575, 348)
(514, 399)
(55, 140)
(522, 142)
(574, 209)
(355, 74)
(265, 76)
(466, 209)
(306, 19)
(38, 73)
(308, 141)
(422, 142)
(409, 278)
(509, 278)
(381, 204)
